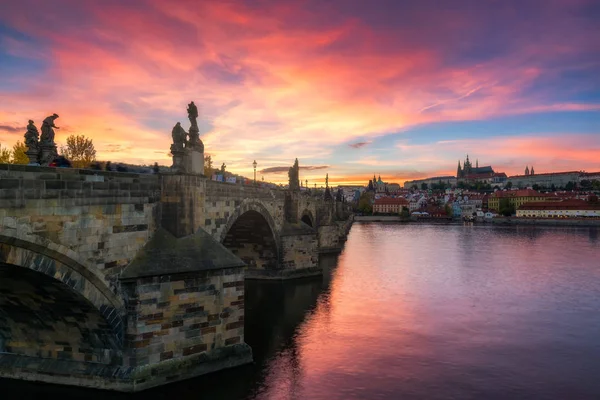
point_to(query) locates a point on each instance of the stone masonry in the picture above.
(129, 281)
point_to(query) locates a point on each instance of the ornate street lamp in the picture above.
(254, 164)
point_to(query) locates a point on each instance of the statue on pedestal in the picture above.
(179, 136)
(194, 135)
(32, 142)
(187, 148)
(192, 111)
(48, 131)
(49, 152)
(177, 150)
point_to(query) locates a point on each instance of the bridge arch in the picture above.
(62, 287)
(308, 218)
(251, 234)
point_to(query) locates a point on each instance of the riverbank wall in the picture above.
(546, 222)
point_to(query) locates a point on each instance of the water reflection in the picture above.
(274, 311)
(422, 312)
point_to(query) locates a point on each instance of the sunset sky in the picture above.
(401, 89)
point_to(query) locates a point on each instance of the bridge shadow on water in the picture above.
(274, 311)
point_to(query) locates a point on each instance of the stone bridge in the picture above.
(126, 281)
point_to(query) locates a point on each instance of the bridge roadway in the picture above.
(127, 281)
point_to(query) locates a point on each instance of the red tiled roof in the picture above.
(391, 200)
(572, 204)
(520, 193)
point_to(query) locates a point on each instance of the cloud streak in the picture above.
(280, 170)
(358, 145)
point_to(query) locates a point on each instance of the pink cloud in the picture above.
(243, 64)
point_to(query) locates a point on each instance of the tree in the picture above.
(553, 188)
(5, 155)
(80, 151)
(535, 186)
(506, 208)
(208, 165)
(423, 186)
(448, 210)
(508, 185)
(405, 212)
(364, 203)
(18, 153)
(570, 186)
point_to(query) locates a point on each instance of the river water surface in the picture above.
(419, 312)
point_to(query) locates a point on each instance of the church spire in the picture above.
(526, 170)
(459, 171)
(477, 163)
(531, 172)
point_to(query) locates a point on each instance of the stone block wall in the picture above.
(102, 217)
(175, 319)
(299, 251)
(182, 200)
(333, 236)
(42, 317)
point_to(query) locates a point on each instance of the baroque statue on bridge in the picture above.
(194, 135)
(48, 130)
(187, 149)
(32, 136)
(179, 136)
(47, 144)
(33, 143)
(192, 111)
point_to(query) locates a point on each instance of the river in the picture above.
(419, 312)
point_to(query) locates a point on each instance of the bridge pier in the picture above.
(185, 310)
(299, 257)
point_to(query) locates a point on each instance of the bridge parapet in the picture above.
(100, 218)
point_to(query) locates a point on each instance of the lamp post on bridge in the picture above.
(254, 164)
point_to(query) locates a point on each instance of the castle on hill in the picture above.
(467, 171)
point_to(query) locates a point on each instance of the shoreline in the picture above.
(509, 221)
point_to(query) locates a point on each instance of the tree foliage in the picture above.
(448, 209)
(5, 156)
(18, 153)
(208, 165)
(570, 186)
(506, 208)
(405, 212)
(80, 151)
(364, 203)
